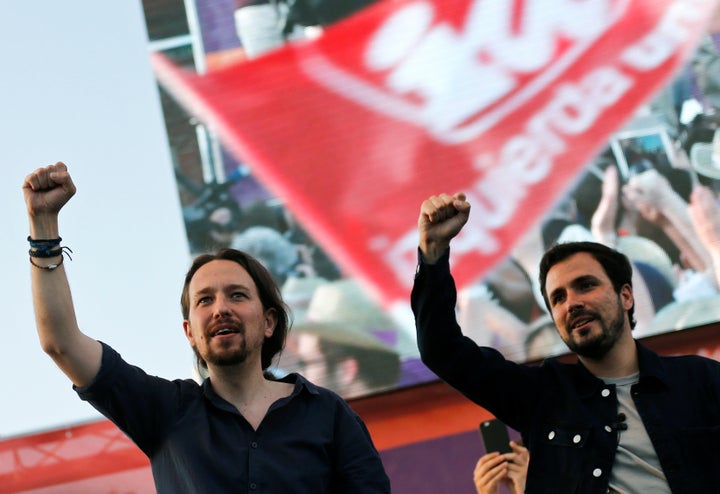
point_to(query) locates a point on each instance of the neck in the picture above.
(237, 383)
(247, 389)
(620, 361)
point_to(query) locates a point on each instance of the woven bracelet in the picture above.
(46, 253)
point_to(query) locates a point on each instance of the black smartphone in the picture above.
(495, 436)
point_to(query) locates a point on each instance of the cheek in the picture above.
(557, 315)
(558, 318)
(197, 323)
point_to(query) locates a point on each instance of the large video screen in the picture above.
(635, 194)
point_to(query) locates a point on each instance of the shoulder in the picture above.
(303, 385)
(317, 396)
(697, 362)
(116, 376)
(649, 358)
(683, 370)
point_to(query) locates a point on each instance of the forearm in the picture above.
(679, 229)
(77, 355)
(705, 219)
(602, 225)
(715, 264)
(687, 247)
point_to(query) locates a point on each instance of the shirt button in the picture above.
(597, 472)
(608, 428)
(605, 393)
(253, 486)
(551, 436)
(577, 438)
(253, 445)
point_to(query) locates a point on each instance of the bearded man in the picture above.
(620, 419)
(241, 430)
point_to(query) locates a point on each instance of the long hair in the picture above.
(268, 291)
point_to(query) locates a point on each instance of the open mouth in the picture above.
(224, 329)
(581, 322)
(224, 332)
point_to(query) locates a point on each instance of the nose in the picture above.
(220, 308)
(574, 303)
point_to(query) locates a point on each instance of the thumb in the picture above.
(461, 205)
(61, 177)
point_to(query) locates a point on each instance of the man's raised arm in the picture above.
(441, 219)
(46, 191)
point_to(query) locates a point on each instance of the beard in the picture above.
(599, 346)
(224, 357)
(227, 358)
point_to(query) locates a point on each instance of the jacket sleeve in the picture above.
(506, 389)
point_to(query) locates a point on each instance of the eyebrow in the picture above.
(231, 288)
(573, 283)
(554, 293)
(584, 278)
(238, 286)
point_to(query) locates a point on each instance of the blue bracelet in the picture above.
(44, 244)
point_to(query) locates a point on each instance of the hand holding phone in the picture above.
(495, 436)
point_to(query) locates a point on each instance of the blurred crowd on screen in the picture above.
(651, 193)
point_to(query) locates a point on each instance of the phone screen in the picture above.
(495, 436)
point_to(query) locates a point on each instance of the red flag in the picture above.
(504, 100)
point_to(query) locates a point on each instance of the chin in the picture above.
(227, 359)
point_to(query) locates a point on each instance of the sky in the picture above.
(76, 86)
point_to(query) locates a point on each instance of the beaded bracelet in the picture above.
(45, 254)
(49, 267)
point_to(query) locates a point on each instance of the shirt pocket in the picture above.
(565, 435)
(559, 457)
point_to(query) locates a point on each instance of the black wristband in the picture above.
(45, 253)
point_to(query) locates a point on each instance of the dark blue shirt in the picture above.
(309, 442)
(566, 414)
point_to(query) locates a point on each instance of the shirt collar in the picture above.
(215, 399)
(301, 384)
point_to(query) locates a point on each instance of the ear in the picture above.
(270, 322)
(188, 332)
(627, 297)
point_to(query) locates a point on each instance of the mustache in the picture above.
(583, 314)
(227, 322)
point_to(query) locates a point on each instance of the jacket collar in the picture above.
(650, 364)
